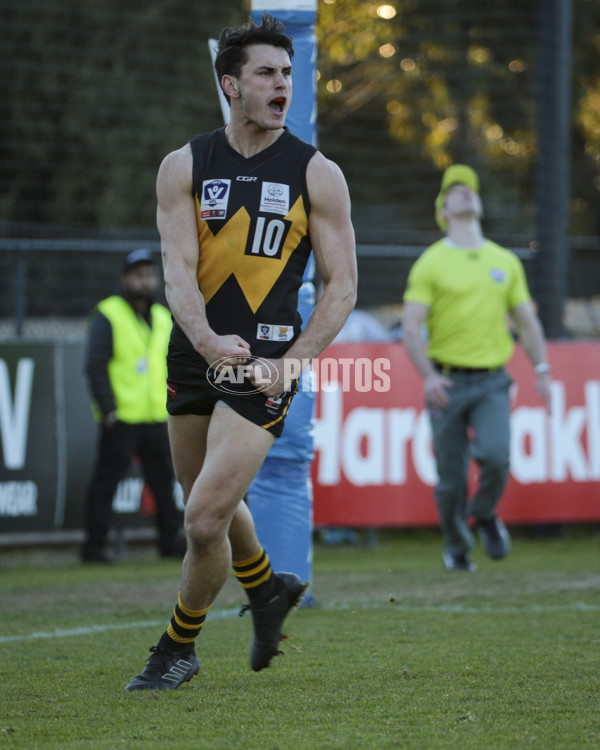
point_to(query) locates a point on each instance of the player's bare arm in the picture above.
(435, 384)
(532, 339)
(333, 243)
(334, 247)
(177, 225)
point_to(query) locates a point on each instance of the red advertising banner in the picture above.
(374, 464)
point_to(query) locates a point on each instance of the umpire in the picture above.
(462, 287)
(126, 371)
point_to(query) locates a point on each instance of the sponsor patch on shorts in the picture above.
(273, 404)
(271, 332)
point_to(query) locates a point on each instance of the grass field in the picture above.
(398, 653)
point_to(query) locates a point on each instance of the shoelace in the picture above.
(256, 610)
(161, 661)
(156, 662)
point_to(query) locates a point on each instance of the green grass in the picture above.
(398, 654)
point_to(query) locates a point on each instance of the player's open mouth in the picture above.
(278, 105)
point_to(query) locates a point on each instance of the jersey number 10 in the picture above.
(269, 237)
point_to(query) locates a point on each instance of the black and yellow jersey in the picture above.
(253, 239)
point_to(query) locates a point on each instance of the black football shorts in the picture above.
(198, 392)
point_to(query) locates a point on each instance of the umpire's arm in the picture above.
(531, 335)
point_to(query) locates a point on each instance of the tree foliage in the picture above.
(95, 94)
(415, 85)
(98, 93)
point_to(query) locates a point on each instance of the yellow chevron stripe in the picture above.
(224, 254)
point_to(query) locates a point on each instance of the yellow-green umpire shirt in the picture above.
(469, 293)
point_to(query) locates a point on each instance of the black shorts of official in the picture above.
(201, 397)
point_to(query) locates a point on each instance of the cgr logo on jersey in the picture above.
(215, 197)
(275, 198)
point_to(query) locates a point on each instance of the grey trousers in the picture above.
(475, 425)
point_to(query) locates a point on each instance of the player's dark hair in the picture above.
(231, 53)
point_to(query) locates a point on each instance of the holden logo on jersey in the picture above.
(232, 375)
(215, 197)
(275, 198)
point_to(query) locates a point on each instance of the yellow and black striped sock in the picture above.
(255, 575)
(184, 628)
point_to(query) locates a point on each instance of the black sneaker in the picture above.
(166, 670)
(268, 618)
(494, 537)
(458, 562)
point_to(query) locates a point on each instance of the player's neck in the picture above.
(248, 139)
(465, 233)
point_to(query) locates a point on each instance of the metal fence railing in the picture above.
(48, 287)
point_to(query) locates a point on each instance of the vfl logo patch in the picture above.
(215, 197)
(498, 275)
(275, 198)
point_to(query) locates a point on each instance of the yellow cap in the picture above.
(457, 174)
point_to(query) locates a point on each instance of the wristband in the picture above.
(542, 368)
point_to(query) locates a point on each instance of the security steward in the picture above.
(126, 372)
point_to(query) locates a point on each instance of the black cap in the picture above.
(135, 257)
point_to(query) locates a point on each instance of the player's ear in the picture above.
(230, 86)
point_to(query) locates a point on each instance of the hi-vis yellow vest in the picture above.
(138, 368)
